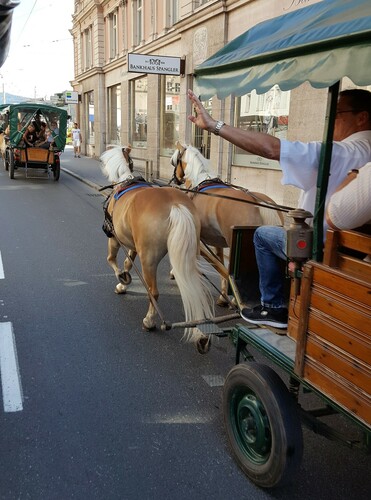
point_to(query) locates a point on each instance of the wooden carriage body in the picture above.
(37, 156)
(328, 342)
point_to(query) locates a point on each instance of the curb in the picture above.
(91, 184)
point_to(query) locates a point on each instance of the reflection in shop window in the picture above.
(114, 114)
(139, 92)
(267, 113)
(90, 114)
(170, 98)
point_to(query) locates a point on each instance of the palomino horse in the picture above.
(150, 222)
(217, 213)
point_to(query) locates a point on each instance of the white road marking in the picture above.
(9, 370)
(214, 380)
(2, 275)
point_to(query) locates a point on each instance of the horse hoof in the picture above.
(148, 328)
(203, 345)
(221, 302)
(120, 289)
(124, 278)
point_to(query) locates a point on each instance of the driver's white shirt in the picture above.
(300, 163)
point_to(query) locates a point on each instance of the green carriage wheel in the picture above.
(262, 424)
(7, 159)
(56, 168)
(11, 163)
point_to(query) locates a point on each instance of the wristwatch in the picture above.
(218, 126)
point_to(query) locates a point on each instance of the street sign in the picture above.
(71, 97)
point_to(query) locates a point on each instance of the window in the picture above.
(139, 113)
(114, 114)
(267, 113)
(200, 2)
(90, 115)
(173, 9)
(88, 48)
(138, 21)
(113, 34)
(170, 98)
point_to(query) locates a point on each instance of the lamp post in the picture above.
(3, 88)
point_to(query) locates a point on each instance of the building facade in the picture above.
(149, 110)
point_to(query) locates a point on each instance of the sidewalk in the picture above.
(86, 169)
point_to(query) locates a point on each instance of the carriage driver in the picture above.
(299, 162)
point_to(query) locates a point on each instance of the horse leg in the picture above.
(122, 276)
(149, 275)
(221, 300)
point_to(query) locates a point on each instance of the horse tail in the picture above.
(183, 244)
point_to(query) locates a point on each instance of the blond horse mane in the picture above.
(198, 167)
(114, 165)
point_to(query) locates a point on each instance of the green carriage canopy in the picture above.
(320, 43)
(21, 115)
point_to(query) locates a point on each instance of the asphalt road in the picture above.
(107, 411)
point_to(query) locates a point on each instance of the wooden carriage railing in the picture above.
(331, 322)
(37, 155)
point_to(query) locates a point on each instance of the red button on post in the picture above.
(301, 244)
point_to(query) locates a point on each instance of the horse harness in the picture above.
(121, 189)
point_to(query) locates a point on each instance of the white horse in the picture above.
(151, 222)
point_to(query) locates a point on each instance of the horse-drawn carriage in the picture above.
(49, 125)
(326, 349)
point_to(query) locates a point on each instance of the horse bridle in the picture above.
(178, 163)
(127, 157)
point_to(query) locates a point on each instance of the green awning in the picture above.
(320, 43)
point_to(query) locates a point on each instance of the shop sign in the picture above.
(162, 65)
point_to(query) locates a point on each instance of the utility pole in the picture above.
(3, 88)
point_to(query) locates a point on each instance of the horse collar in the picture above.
(210, 184)
(129, 185)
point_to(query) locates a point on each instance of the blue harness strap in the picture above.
(214, 186)
(130, 188)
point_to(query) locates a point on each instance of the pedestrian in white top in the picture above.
(76, 140)
(299, 162)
